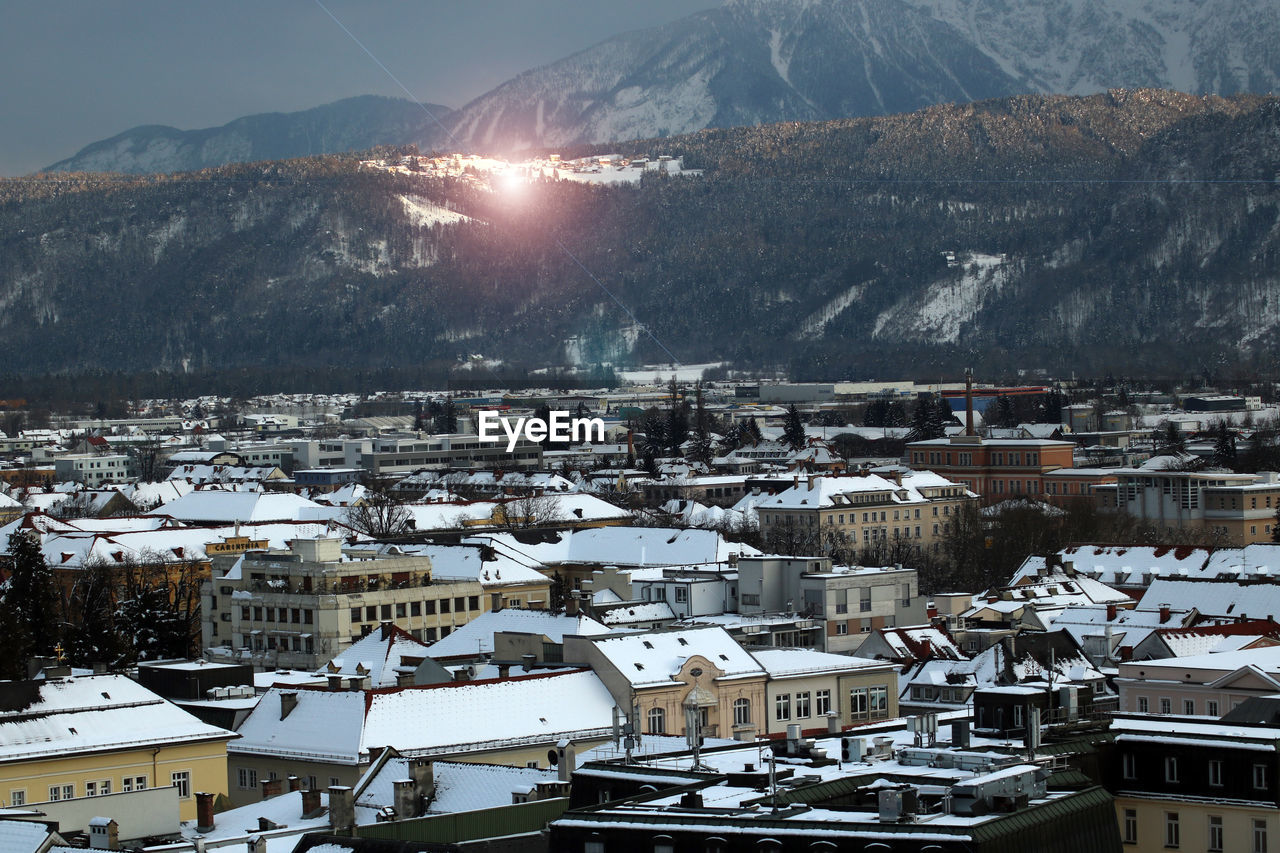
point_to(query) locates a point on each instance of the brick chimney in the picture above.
(1165, 612)
(295, 784)
(1111, 612)
(204, 811)
(310, 803)
(272, 788)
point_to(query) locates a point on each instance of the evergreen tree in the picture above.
(793, 428)
(752, 431)
(895, 414)
(1224, 446)
(32, 593)
(1005, 414)
(677, 420)
(1170, 440)
(447, 419)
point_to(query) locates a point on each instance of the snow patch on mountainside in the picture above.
(940, 314)
(816, 323)
(424, 214)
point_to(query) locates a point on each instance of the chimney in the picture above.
(968, 401)
(571, 603)
(295, 784)
(1126, 653)
(1111, 613)
(272, 788)
(504, 670)
(897, 476)
(926, 649)
(257, 844)
(566, 760)
(310, 803)
(1164, 613)
(422, 772)
(335, 682)
(960, 734)
(528, 660)
(811, 479)
(204, 811)
(342, 809)
(406, 799)
(288, 701)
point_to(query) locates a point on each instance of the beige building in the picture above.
(299, 608)
(661, 673)
(1239, 509)
(819, 691)
(850, 601)
(915, 508)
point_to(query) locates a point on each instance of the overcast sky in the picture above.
(76, 71)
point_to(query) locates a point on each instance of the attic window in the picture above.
(639, 666)
(682, 641)
(724, 657)
(73, 731)
(106, 695)
(648, 645)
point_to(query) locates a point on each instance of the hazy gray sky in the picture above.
(76, 71)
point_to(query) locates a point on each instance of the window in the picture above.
(822, 700)
(593, 847)
(1166, 705)
(1189, 707)
(880, 700)
(858, 702)
(429, 607)
(802, 705)
(415, 608)
(134, 783)
(782, 707)
(91, 789)
(1215, 834)
(1170, 768)
(682, 593)
(1215, 773)
(842, 628)
(1144, 705)
(444, 605)
(1172, 833)
(1130, 768)
(1260, 776)
(1017, 716)
(62, 792)
(1130, 826)
(657, 721)
(18, 798)
(1211, 707)
(355, 614)
(246, 778)
(1259, 836)
(741, 712)
(182, 781)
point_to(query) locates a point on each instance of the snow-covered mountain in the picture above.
(350, 124)
(763, 61)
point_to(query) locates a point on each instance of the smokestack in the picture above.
(310, 803)
(272, 788)
(968, 401)
(342, 809)
(422, 772)
(406, 799)
(204, 811)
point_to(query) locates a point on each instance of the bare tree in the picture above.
(381, 516)
(534, 509)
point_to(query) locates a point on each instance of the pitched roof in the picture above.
(383, 654)
(476, 637)
(440, 719)
(654, 657)
(88, 714)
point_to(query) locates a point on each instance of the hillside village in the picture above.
(755, 616)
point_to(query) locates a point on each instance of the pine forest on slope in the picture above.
(1134, 231)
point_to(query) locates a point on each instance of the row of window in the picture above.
(102, 787)
(1188, 706)
(1215, 840)
(300, 616)
(863, 702)
(247, 779)
(1171, 771)
(1015, 459)
(375, 612)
